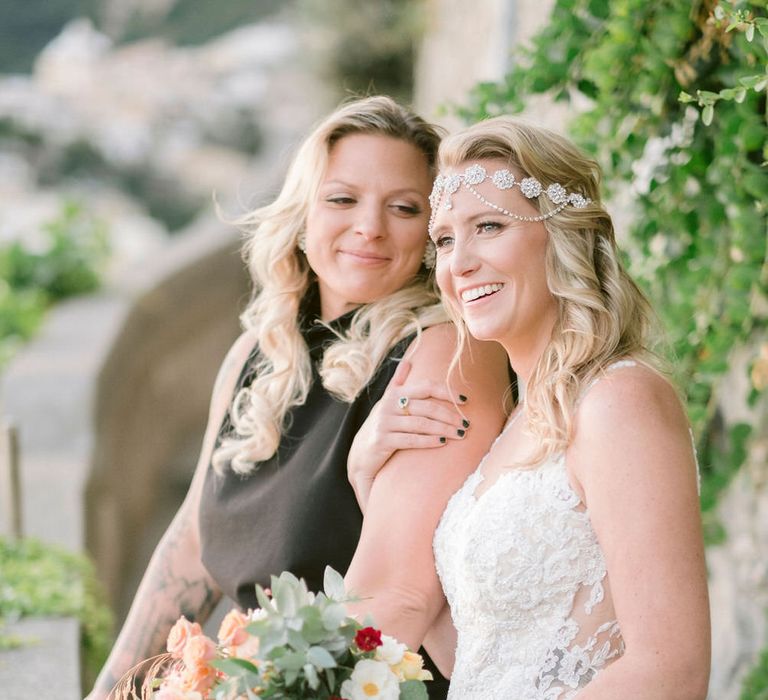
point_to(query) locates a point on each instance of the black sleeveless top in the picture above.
(296, 511)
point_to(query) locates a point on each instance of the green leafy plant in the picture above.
(732, 15)
(755, 686)
(61, 260)
(43, 580)
(697, 241)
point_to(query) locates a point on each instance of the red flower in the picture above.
(368, 638)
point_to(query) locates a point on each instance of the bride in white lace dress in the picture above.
(572, 559)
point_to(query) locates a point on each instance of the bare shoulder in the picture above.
(233, 364)
(431, 355)
(631, 423)
(630, 395)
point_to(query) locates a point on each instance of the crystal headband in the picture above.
(503, 180)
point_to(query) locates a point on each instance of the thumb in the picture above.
(401, 373)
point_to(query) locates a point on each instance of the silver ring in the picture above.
(402, 404)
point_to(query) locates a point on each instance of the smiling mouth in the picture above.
(480, 292)
(370, 258)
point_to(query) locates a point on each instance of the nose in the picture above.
(370, 222)
(463, 261)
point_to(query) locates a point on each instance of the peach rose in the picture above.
(199, 679)
(198, 650)
(249, 649)
(232, 629)
(180, 634)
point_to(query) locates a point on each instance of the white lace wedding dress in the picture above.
(526, 582)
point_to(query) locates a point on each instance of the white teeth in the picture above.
(482, 291)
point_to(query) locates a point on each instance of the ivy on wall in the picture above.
(672, 101)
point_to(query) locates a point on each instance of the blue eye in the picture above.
(443, 241)
(488, 226)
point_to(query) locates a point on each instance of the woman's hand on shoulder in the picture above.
(393, 570)
(415, 414)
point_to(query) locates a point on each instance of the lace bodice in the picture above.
(526, 582)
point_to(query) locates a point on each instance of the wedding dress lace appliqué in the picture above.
(526, 582)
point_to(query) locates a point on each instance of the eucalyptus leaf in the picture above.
(333, 616)
(313, 680)
(413, 690)
(321, 658)
(333, 584)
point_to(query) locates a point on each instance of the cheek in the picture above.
(443, 277)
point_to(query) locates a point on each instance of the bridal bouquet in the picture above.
(297, 645)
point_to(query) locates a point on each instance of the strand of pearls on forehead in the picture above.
(503, 180)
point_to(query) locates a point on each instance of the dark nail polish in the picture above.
(442, 441)
(465, 423)
(462, 398)
(460, 432)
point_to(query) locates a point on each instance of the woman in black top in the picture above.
(342, 292)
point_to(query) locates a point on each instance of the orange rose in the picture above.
(199, 679)
(180, 634)
(198, 651)
(232, 630)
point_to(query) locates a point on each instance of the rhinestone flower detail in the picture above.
(503, 179)
(530, 187)
(447, 185)
(557, 194)
(452, 183)
(577, 200)
(474, 174)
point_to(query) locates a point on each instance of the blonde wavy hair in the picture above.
(603, 316)
(282, 276)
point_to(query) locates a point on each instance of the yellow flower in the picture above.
(411, 668)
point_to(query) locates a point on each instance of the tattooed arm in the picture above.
(176, 582)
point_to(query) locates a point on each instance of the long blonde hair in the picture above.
(281, 278)
(603, 316)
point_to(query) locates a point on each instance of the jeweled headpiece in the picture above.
(503, 180)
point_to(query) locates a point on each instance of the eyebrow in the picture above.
(350, 185)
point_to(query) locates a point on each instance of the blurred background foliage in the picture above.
(44, 580)
(697, 239)
(368, 48)
(61, 260)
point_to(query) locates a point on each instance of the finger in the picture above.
(419, 425)
(425, 389)
(413, 441)
(442, 412)
(401, 373)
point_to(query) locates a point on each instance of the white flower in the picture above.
(390, 651)
(371, 680)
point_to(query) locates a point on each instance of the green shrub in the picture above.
(44, 580)
(64, 260)
(755, 685)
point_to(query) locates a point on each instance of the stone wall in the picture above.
(110, 401)
(466, 43)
